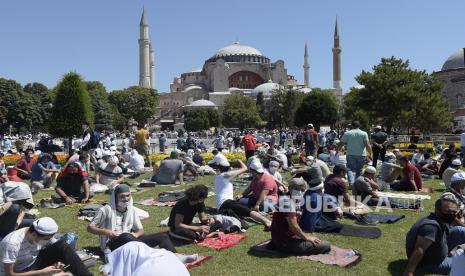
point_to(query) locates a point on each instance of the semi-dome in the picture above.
(455, 61)
(266, 89)
(202, 103)
(193, 87)
(237, 49)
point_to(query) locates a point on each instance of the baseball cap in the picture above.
(257, 166)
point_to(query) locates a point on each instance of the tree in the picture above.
(135, 102)
(240, 111)
(35, 88)
(71, 109)
(201, 119)
(319, 107)
(103, 113)
(280, 108)
(260, 103)
(395, 95)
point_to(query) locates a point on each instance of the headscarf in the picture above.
(15, 191)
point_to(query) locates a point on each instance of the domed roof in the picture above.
(237, 49)
(202, 103)
(305, 90)
(266, 88)
(456, 60)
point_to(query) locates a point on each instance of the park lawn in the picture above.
(383, 256)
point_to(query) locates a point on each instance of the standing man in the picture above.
(142, 143)
(356, 142)
(249, 144)
(379, 141)
(88, 145)
(312, 141)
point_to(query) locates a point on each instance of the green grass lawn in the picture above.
(383, 256)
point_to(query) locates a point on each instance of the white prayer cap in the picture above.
(460, 176)
(45, 226)
(370, 169)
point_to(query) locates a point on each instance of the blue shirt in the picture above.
(354, 140)
(38, 172)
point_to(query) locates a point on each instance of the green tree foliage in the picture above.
(17, 108)
(72, 107)
(319, 107)
(395, 95)
(201, 119)
(260, 103)
(103, 113)
(135, 102)
(281, 107)
(35, 88)
(240, 111)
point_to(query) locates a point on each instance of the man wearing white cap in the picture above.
(366, 186)
(109, 173)
(456, 191)
(33, 251)
(263, 188)
(449, 172)
(378, 141)
(218, 160)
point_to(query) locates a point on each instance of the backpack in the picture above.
(309, 139)
(94, 139)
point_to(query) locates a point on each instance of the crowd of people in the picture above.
(324, 166)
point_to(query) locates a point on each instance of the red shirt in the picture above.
(410, 168)
(280, 228)
(316, 137)
(23, 164)
(248, 142)
(265, 182)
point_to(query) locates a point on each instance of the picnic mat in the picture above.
(340, 257)
(222, 241)
(153, 202)
(359, 231)
(382, 218)
(404, 195)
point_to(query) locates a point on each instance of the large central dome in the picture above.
(237, 49)
(455, 61)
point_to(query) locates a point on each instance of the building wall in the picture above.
(453, 87)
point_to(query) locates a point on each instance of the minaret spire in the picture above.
(336, 59)
(146, 62)
(306, 68)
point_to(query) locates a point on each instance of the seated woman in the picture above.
(182, 214)
(43, 173)
(72, 186)
(109, 173)
(14, 198)
(118, 223)
(286, 234)
(262, 193)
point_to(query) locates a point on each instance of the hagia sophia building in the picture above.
(233, 69)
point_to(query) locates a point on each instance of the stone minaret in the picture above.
(306, 68)
(152, 67)
(144, 54)
(336, 59)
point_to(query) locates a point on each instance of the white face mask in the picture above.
(123, 205)
(297, 194)
(309, 163)
(272, 169)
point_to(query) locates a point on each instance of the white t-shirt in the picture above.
(16, 249)
(224, 187)
(220, 159)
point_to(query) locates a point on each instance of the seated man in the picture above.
(136, 162)
(390, 170)
(365, 187)
(218, 160)
(431, 239)
(324, 155)
(25, 164)
(431, 168)
(43, 173)
(182, 215)
(197, 158)
(311, 173)
(262, 192)
(72, 186)
(224, 197)
(411, 177)
(109, 173)
(273, 169)
(286, 234)
(14, 198)
(190, 168)
(170, 170)
(335, 185)
(33, 251)
(456, 191)
(118, 223)
(449, 172)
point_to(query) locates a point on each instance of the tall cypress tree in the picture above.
(71, 109)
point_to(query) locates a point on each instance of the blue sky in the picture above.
(42, 40)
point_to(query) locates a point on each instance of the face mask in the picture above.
(113, 161)
(123, 205)
(309, 164)
(297, 194)
(447, 218)
(272, 169)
